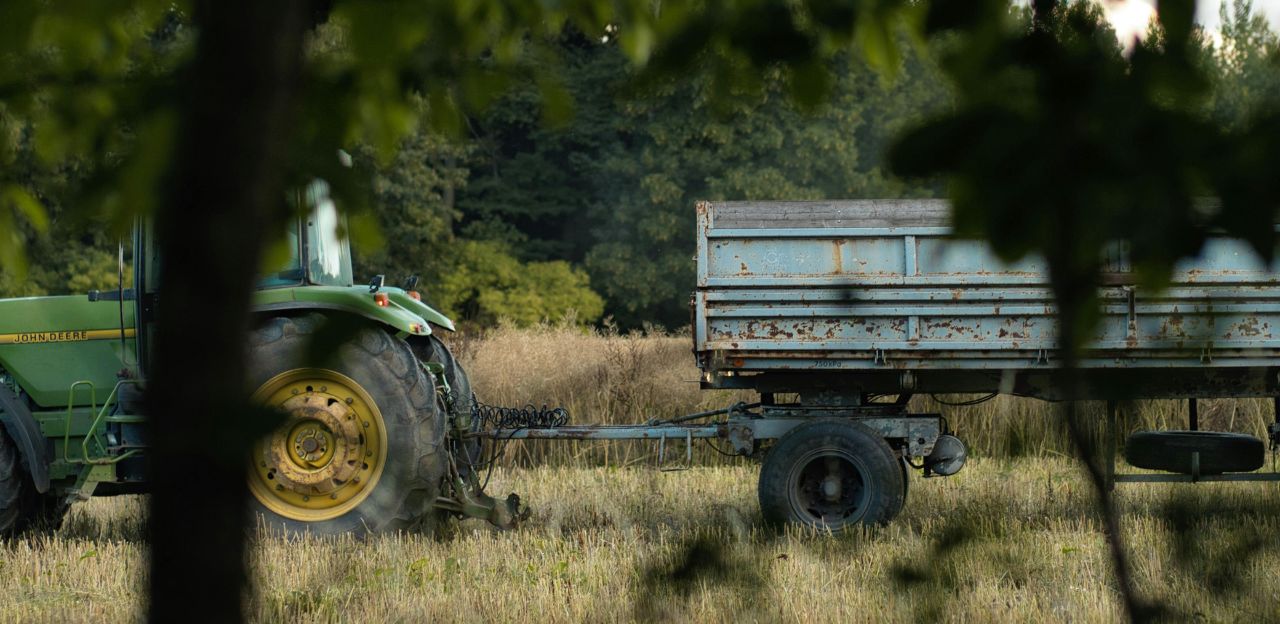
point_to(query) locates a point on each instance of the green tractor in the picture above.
(374, 439)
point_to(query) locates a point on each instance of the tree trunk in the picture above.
(224, 195)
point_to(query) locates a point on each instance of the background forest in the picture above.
(539, 208)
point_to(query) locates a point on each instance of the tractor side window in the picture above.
(289, 273)
(328, 251)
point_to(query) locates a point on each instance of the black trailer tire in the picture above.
(830, 475)
(413, 463)
(22, 508)
(467, 454)
(1171, 451)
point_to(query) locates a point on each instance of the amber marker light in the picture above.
(381, 299)
(415, 295)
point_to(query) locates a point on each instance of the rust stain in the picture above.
(1249, 327)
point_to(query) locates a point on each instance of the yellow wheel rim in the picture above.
(328, 454)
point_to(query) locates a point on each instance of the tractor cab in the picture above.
(318, 253)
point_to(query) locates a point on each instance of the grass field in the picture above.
(1001, 541)
(1011, 538)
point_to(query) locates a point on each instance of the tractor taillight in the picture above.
(381, 299)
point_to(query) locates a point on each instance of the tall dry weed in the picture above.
(599, 376)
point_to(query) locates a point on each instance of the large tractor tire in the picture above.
(458, 404)
(22, 508)
(831, 475)
(361, 449)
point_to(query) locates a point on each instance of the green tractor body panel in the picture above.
(49, 343)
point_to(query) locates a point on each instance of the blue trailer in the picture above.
(848, 308)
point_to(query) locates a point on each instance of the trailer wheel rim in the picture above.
(828, 487)
(328, 454)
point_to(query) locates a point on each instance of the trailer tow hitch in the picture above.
(470, 501)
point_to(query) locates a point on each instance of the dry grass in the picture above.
(1011, 538)
(1001, 541)
(600, 377)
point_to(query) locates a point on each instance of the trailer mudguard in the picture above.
(397, 310)
(25, 431)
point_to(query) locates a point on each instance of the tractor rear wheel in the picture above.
(361, 448)
(458, 405)
(22, 508)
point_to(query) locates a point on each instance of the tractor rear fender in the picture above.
(398, 310)
(25, 431)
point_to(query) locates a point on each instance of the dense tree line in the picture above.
(537, 210)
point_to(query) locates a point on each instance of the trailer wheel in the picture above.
(22, 508)
(361, 448)
(1171, 451)
(831, 474)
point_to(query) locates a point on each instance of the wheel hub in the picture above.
(828, 487)
(329, 451)
(831, 488)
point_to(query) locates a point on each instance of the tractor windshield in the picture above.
(327, 248)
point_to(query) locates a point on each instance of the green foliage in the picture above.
(615, 188)
(487, 285)
(79, 88)
(412, 197)
(484, 166)
(1247, 60)
(473, 281)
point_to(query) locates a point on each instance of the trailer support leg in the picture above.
(1109, 442)
(1274, 430)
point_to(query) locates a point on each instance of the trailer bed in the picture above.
(878, 293)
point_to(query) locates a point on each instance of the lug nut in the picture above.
(350, 400)
(306, 499)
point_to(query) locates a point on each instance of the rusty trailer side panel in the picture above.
(878, 286)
